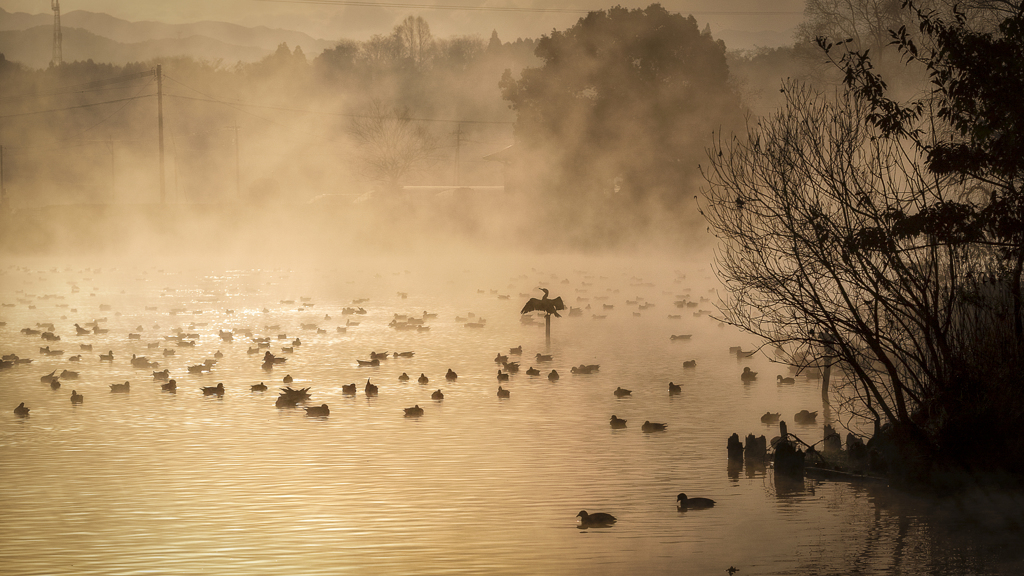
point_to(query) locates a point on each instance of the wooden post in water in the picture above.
(547, 329)
(825, 374)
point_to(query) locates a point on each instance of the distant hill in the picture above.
(28, 38)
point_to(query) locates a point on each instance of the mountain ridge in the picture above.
(207, 40)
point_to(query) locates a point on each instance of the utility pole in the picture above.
(113, 177)
(3, 191)
(458, 149)
(5, 206)
(58, 37)
(238, 177)
(160, 129)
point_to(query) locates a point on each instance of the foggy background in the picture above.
(288, 124)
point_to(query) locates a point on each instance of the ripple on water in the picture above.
(157, 482)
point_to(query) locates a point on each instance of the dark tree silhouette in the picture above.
(890, 235)
(623, 104)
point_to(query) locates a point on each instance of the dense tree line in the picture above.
(295, 112)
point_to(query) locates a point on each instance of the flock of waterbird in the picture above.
(509, 363)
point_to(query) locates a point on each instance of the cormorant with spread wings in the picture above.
(546, 305)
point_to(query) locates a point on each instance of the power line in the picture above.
(75, 107)
(104, 119)
(366, 4)
(213, 99)
(369, 4)
(86, 86)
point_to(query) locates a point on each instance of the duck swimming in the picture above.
(782, 380)
(620, 392)
(404, 377)
(370, 389)
(423, 378)
(770, 418)
(414, 411)
(502, 377)
(502, 393)
(217, 390)
(76, 398)
(287, 379)
(617, 422)
(451, 376)
(261, 387)
(518, 350)
(689, 364)
(805, 417)
(653, 426)
(437, 395)
(595, 519)
(171, 386)
(544, 357)
(533, 372)
(747, 375)
(553, 375)
(685, 503)
(321, 410)
(674, 389)
(349, 389)
(21, 410)
(121, 388)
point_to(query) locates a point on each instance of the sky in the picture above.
(357, 19)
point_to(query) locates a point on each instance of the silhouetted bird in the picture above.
(674, 389)
(423, 378)
(782, 380)
(126, 387)
(451, 375)
(172, 385)
(747, 375)
(502, 393)
(689, 364)
(217, 390)
(544, 305)
(414, 411)
(620, 392)
(533, 372)
(653, 426)
(321, 410)
(370, 389)
(21, 410)
(404, 377)
(517, 350)
(76, 398)
(553, 375)
(685, 503)
(770, 418)
(805, 417)
(437, 395)
(595, 519)
(617, 422)
(261, 387)
(349, 389)
(502, 377)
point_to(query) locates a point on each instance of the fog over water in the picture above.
(183, 482)
(313, 202)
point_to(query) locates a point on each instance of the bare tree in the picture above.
(807, 207)
(414, 40)
(391, 144)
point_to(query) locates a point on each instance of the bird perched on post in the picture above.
(545, 304)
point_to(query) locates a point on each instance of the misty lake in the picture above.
(183, 483)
